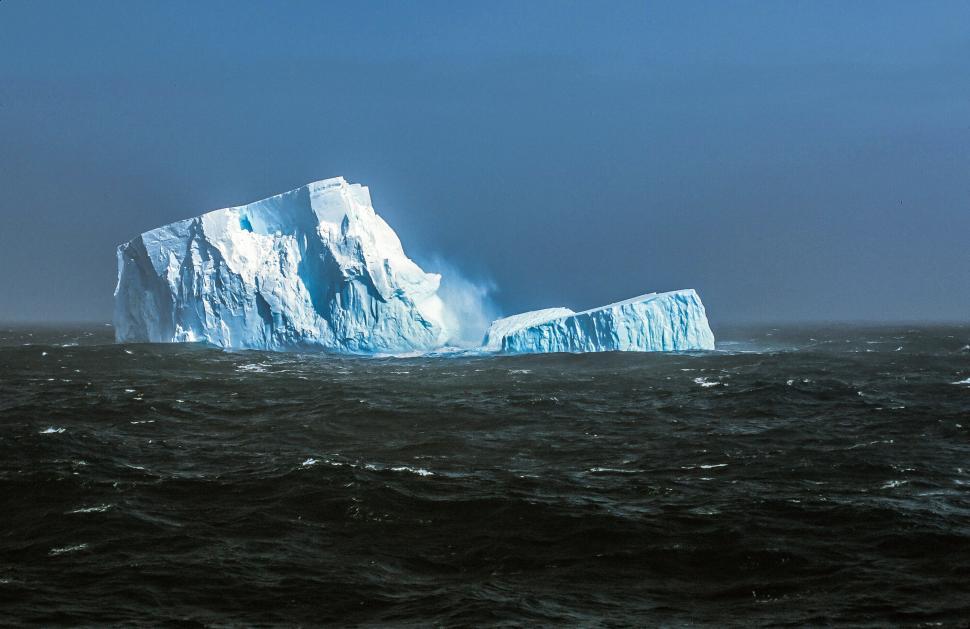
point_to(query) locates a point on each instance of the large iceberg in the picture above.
(674, 321)
(313, 267)
(316, 267)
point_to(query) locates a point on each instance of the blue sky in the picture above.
(790, 160)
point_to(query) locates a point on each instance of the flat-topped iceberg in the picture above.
(501, 328)
(674, 321)
(313, 267)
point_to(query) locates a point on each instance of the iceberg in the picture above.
(315, 267)
(501, 328)
(664, 322)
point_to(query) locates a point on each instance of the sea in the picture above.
(796, 476)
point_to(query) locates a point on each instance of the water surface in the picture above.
(797, 476)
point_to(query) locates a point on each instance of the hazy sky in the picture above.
(791, 161)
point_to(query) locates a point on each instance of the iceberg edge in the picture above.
(655, 322)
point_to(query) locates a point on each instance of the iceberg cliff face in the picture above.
(313, 267)
(674, 321)
(501, 328)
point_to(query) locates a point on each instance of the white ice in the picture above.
(674, 321)
(313, 267)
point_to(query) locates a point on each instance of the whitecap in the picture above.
(967, 382)
(704, 511)
(610, 470)
(51, 431)
(67, 549)
(871, 443)
(97, 509)
(420, 471)
(309, 462)
(704, 382)
(706, 466)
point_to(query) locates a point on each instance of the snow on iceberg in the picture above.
(501, 328)
(674, 321)
(313, 267)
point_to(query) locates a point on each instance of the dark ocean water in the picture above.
(799, 476)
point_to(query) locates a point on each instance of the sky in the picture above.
(792, 161)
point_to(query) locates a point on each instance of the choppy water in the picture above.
(799, 476)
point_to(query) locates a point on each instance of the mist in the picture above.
(469, 306)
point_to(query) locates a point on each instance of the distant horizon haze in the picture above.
(793, 162)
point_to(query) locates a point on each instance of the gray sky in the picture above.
(791, 161)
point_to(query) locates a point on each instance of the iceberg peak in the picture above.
(312, 267)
